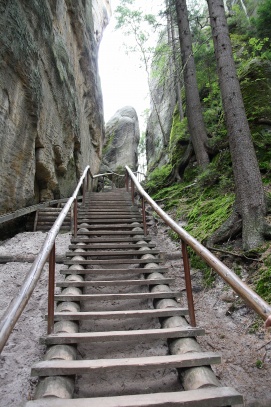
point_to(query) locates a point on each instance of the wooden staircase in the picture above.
(45, 218)
(115, 305)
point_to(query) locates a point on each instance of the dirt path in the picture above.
(22, 348)
(245, 356)
(231, 329)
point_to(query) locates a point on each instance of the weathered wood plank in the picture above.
(106, 239)
(125, 252)
(113, 226)
(138, 270)
(111, 232)
(208, 397)
(112, 336)
(114, 282)
(118, 296)
(71, 367)
(115, 261)
(152, 313)
(97, 246)
(116, 222)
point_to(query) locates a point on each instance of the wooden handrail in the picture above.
(261, 307)
(18, 303)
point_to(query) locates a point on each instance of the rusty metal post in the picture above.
(75, 211)
(88, 176)
(84, 192)
(51, 289)
(188, 284)
(127, 181)
(144, 216)
(133, 191)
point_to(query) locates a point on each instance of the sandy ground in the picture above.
(22, 348)
(245, 356)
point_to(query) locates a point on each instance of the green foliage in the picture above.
(139, 27)
(238, 21)
(208, 213)
(108, 144)
(263, 280)
(158, 178)
(259, 364)
(263, 20)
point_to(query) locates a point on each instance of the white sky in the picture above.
(123, 82)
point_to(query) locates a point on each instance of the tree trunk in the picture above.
(250, 200)
(193, 107)
(175, 63)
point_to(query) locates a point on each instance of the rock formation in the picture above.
(51, 114)
(163, 102)
(121, 140)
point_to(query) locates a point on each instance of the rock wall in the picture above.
(163, 102)
(51, 112)
(121, 140)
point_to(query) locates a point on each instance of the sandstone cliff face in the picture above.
(163, 102)
(121, 140)
(51, 114)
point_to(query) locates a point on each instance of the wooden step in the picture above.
(118, 296)
(51, 215)
(114, 261)
(110, 198)
(114, 282)
(99, 246)
(113, 226)
(100, 253)
(101, 214)
(42, 221)
(206, 397)
(110, 205)
(111, 232)
(72, 367)
(48, 227)
(137, 270)
(112, 336)
(149, 313)
(109, 216)
(107, 239)
(121, 222)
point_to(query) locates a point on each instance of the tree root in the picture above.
(230, 228)
(188, 154)
(242, 255)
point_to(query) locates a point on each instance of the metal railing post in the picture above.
(133, 191)
(188, 284)
(127, 181)
(88, 176)
(144, 216)
(75, 211)
(84, 192)
(51, 289)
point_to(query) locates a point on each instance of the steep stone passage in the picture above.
(121, 337)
